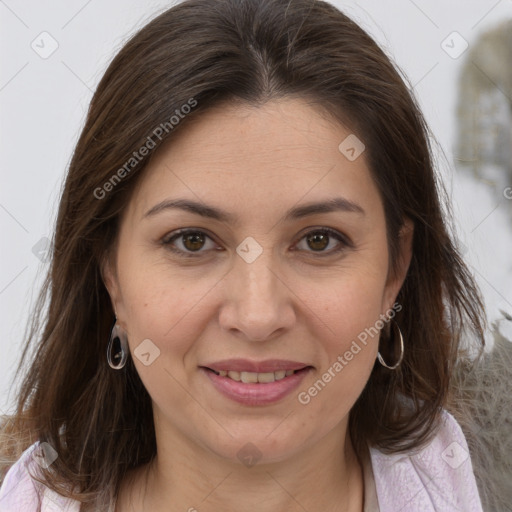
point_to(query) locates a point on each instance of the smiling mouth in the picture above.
(253, 377)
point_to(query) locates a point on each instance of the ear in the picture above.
(396, 280)
(109, 277)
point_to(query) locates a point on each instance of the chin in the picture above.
(258, 446)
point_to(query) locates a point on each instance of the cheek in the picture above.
(352, 303)
(163, 304)
(349, 318)
(168, 309)
(349, 345)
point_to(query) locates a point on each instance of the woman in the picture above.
(252, 206)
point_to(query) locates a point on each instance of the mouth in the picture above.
(256, 377)
(252, 383)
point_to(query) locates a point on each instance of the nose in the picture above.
(258, 301)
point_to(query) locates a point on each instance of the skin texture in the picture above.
(290, 303)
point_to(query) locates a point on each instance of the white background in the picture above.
(43, 104)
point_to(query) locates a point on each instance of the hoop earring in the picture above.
(119, 342)
(397, 364)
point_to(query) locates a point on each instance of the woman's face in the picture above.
(244, 277)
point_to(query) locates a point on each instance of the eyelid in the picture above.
(174, 235)
(340, 237)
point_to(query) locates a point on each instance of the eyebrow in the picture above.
(330, 205)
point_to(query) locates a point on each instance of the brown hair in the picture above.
(100, 421)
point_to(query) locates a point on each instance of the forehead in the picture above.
(280, 153)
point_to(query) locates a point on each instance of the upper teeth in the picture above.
(248, 377)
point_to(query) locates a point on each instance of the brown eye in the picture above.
(319, 240)
(193, 241)
(187, 242)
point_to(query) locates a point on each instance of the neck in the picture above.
(194, 479)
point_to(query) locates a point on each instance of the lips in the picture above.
(256, 383)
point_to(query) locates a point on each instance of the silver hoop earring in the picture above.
(117, 350)
(395, 366)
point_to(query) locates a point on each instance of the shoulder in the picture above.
(438, 477)
(20, 491)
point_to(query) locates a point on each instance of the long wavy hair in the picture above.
(100, 421)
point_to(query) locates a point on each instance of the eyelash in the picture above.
(169, 239)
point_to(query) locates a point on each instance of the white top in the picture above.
(438, 478)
